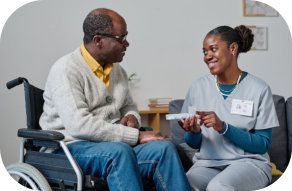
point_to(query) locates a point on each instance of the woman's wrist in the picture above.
(196, 132)
(224, 129)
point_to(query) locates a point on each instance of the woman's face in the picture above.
(217, 54)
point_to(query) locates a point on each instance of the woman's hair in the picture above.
(241, 35)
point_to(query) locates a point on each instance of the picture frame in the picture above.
(260, 37)
(253, 8)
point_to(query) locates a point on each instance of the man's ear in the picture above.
(233, 48)
(97, 40)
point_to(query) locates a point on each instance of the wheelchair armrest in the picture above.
(44, 135)
(146, 129)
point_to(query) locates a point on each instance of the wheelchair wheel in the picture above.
(28, 176)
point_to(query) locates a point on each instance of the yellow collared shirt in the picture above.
(102, 73)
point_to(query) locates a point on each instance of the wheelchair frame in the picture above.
(33, 138)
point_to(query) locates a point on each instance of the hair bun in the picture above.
(246, 38)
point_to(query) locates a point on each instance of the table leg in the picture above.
(154, 121)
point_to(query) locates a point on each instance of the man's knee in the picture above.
(120, 148)
(162, 146)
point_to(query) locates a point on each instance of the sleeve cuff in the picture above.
(131, 136)
(136, 115)
(223, 129)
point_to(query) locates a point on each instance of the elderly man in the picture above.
(86, 92)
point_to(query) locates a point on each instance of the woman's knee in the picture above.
(216, 184)
(197, 181)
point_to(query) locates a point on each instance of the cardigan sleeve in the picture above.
(129, 107)
(70, 103)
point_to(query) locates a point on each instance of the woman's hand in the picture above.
(210, 119)
(190, 124)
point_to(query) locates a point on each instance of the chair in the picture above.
(48, 171)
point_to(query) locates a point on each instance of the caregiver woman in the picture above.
(236, 115)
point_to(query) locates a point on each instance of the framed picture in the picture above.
(260, 38)
(258, 9)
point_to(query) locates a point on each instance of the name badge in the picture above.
(242, 107)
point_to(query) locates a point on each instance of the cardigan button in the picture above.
(109, 99)
(110, 115)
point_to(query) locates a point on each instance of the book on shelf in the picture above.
(159, 100)
(156, 105)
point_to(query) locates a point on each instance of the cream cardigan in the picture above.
(81, 107)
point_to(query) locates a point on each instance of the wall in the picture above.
(165, 49)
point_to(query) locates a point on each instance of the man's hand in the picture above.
(210, 119)
(130, 121)
(147, 136)
(190, 124)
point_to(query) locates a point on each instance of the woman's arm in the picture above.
(256, 142)
(194, 140)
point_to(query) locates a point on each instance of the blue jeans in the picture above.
(123, 166)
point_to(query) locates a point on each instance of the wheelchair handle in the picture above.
(15, 82)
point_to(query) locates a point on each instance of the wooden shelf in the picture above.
(154, 116)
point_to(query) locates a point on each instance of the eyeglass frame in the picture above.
(120, 39)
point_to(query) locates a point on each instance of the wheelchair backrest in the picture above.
(34, 102)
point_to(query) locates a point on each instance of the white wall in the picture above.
(165, 49)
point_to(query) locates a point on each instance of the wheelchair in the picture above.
(40, 170)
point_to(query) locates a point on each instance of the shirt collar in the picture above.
(93, 64)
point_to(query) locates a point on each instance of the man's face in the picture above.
(114, 49)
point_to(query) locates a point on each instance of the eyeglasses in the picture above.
(120, 39)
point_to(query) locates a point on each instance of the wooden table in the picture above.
(154, 116)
